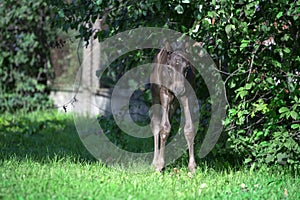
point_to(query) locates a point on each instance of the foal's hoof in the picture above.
(159, 169)
(192, 168)
(158, 166)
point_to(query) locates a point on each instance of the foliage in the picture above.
(256, 47)
(117, 68)
(24, 54)
(259, 42)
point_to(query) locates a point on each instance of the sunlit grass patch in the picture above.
(53, 164)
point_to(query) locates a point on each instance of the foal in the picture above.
(172, 79)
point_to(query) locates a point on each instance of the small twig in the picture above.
(251, 66)
(253, 97)
(229, 129)
(226, 73)
(296, 122)
(257, 122)
(295, 134)
(234, 74)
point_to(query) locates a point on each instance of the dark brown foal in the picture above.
(170, 70)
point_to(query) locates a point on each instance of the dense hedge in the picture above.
(24, 54)
(256, 47)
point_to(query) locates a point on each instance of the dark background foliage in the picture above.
(24, 55)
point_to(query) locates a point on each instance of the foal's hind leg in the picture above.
(165, 127)
(189, 133)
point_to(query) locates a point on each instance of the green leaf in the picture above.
(270, 80)
(276, 63)
(264, 144)
(294, 115)
(295, 126)
(248, 86)
(296, 99)
(61, 13)
(244, 44)
(211, 14)
(270, 158)
(185, 1)
(232, 84)
(228, 28)
(258, 134)
(287, 50)
(283, 110)
(242, 93)
(179, 9)
(279, 14)
(98, 2)
(232, 111)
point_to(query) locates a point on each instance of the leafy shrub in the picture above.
(24, 55)
(261, 42)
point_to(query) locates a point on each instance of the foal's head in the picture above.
(177, 73)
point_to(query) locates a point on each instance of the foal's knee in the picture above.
(165, 132)
(189, 132)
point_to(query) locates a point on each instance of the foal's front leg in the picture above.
(189, 132)
(155, 126)
(165, 127)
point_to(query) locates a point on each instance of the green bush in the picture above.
(261, 42)
(256, 47)
(24, 55)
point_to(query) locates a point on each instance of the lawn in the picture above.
(42, 157)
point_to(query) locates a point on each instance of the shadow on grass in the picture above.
(41, 136)
(46, 136)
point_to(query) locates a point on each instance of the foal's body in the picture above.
(172, 82)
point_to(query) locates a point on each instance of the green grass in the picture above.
(42, 158)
